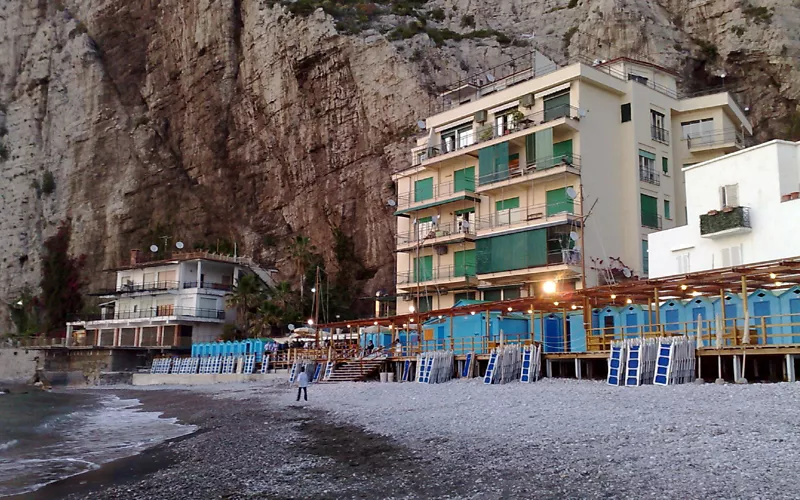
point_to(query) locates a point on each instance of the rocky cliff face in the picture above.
(240, 120)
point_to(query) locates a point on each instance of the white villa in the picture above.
(742, 208)
(167, 303)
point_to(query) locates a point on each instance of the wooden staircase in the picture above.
(356, 370)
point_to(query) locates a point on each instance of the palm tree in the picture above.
(301, 250)
(267, 316)
(246, 297)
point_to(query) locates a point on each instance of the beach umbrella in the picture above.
(699, 335)
(746, 334)
(719, 346)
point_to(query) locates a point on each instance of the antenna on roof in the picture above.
(489, 77)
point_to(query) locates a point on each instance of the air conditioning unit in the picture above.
(440, 249)
(481, 116)
(527, 100)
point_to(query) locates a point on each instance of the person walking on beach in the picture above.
(302, 384)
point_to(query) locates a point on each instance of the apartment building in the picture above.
(166, 303)
(550, 175)
(743, 208)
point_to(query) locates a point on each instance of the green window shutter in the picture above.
(464, 263)
(509, 252)
(667, 212)
(537, 247)
(492, 295)
(649, 211)
(544, 149)
(647, 154)
(486, 165)
(562, 150)
(558, 201)
(501, 161)
(470, 265)
(470, 210)
(425, 268)
(423, 220)
(512, 292)
(464, 179)
(423, 189)
(645, 257)
(665, 165)
(508, 204)
(556, 107)
(483, 251)
(530, 149)
(458, 264)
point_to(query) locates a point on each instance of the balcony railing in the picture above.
(431, 231)
(490, 132)
(659, 134)
(649, 175)
(438, 192)
(724, 220)
(155, 286)
(155, 312)
(651, 220)
(529, 215)
(436, 274)
(208, 286)
(565, 160)
(715, 138)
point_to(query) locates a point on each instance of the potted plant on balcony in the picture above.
(486, 133)
(712, 212)
(517, 118)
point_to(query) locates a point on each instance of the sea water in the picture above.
(47, 436)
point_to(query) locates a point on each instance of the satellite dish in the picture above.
(573, 236)
(290, 327)
(391, 203)
(489, 77)
(421, 124)
(572, 193)
(179, 245)
(626, 272)
(153, 248)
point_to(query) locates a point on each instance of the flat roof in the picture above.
(643, 63)
(182, 257)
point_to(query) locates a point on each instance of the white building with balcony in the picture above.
(167, 303)
(742, 208)
(529, 165)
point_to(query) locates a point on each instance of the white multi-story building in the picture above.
(524, 170)
(742, 208)
(166, 303)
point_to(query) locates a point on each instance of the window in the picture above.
(424, 227)
(697, 132)
(448, 141)
(464, 263)
(667, 211)
(464, 219)
(423, 189)
(647, 168)
(425, 268)
(645, 257)
(556, 106)
(504, 124)
(649, 213)
(625, 111)
(665, 165)
(425, 304)
(464, 296)
(657, 127)
(731, 256)
(507, 293)
(492, 295)
(683, 263)
(558, 201)
(464, 179)
(729, 195)
(466, 137)
(639, 79)
(506, 211)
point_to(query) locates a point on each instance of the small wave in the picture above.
(8, 444)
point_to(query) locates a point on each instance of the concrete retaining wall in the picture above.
(19, 365)
(204, 378)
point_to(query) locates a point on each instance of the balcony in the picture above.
(649, 175)
(222, 287)
(726, 222)
(728, 140)
(436, 195)
(156, 286)
(530, 216)
(456, 274)
(659, 134)
(428, 234)
(543, 167)
(651, 220)
(166, 311)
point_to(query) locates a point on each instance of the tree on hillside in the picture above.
(247, 296)
(61, 278)
(302, 253)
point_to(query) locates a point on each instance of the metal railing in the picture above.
(490, 132)
(154, 312)
(208, 286)
(438, 191)
(524, 215)
(155, 286)
(430, 231)
(722, 220)
(715, 138)
(659, 134)
(649, 175)
(436, 274)
(651, 220)
(541, 164)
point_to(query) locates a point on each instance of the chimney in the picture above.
(135, 257)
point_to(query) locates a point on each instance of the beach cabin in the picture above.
(699, 307)
(576, 332)
(763, 304)
(609, 322)
(553, 338)
(790, 311)
(673, 316)
(634, 320)
(381, 336)
(469, 331)
(734, 314)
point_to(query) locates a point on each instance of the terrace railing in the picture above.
(225, 287)
(437, 192)
(154, 312)
(715, 138)
(430, 231)
(541, 164)
(531, 214)
(436, 274)
(154, 286)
